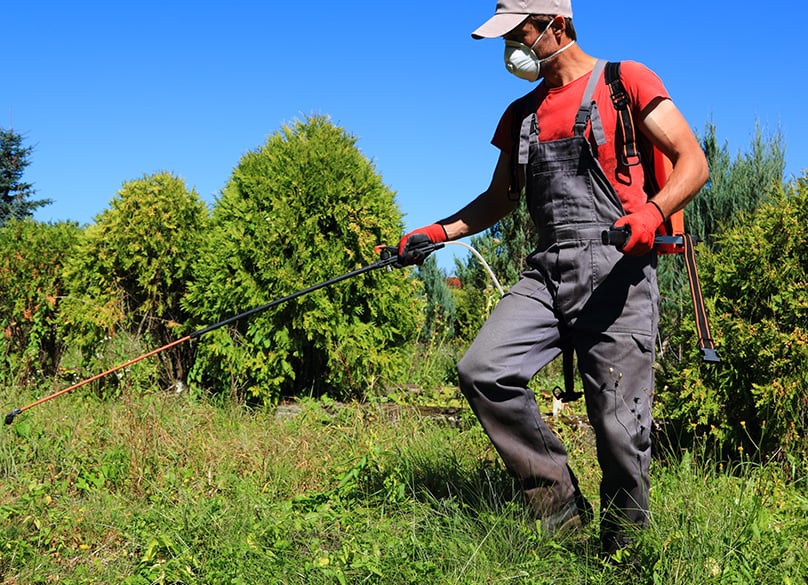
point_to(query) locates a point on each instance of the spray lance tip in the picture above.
(12, 415)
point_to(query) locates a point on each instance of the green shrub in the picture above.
(305, 207)
(756, 283)
(131, 269)
(737, 186)
(31, 258)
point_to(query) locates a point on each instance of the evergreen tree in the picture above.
(15, 195)
(505, 246)
(132, 266)
(303, 208)
(440, 305)
(514, 238)
(736, 186)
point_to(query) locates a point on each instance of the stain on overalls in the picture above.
(577, 292)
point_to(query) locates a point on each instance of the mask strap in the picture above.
(561, 50)
(538, 38)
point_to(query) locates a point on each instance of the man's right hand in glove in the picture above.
(642, 226)
(408, 247)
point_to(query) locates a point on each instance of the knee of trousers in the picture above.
(479, 375)
(471, 372)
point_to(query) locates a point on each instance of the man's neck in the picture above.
(567, 67)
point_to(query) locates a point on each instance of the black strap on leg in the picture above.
(569, 393)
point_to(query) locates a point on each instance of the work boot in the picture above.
(616, 544)
(572, 516)
(620, 551)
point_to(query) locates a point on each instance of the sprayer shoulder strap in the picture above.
(629, 154)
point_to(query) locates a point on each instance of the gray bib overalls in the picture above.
(577, 292)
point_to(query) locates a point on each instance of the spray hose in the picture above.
(485, 265)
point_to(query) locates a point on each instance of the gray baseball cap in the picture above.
(511, 13)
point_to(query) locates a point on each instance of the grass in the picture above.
(164, 489)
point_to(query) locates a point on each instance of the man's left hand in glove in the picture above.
(409, 251)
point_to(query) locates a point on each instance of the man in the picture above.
(577, 294)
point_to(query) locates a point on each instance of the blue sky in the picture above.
(107, 92)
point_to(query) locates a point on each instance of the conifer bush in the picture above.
(130, 271)
(756, 283)
(32, 255)
(303, 208)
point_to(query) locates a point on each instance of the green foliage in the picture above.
(472, 306)
(132, 267)
(505, 246)
(509, 242)
(431, 372)
(736, 186)
(32, 256)
(15, 195)
(757, 285)
(710, 525)
(477, 295)
(440, 305)
(305, 207)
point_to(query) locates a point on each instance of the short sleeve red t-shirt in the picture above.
(556, 110)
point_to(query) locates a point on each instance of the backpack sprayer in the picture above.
(388, 258)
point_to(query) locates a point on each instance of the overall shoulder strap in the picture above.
(589, 108)
(523, 122)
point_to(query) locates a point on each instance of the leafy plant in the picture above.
(32, 256)
(757, 286)
(132, 267)
(305, 207)
(736, 187)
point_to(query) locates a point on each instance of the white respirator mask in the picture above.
(521, 61)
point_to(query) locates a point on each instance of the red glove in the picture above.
(408, 252)
(642, 225)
